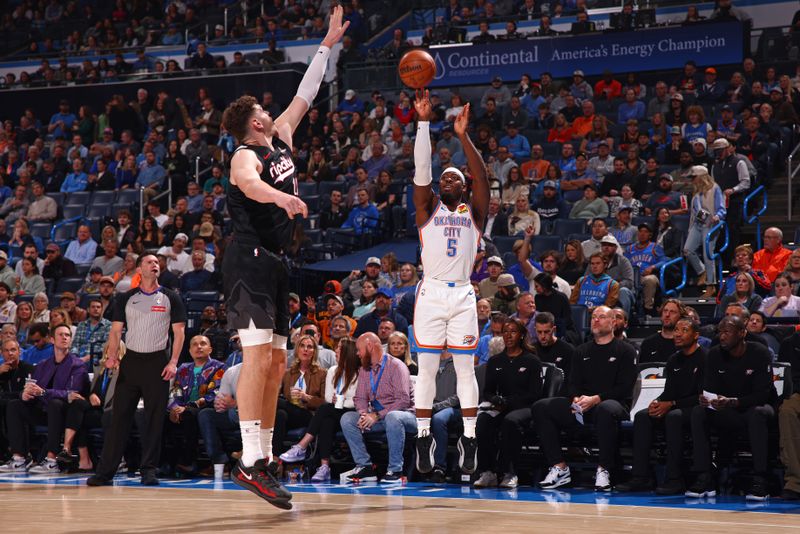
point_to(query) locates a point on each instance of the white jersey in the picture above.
(449, 241)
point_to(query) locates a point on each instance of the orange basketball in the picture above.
(417, 69)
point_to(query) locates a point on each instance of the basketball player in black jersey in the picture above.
(263, 203)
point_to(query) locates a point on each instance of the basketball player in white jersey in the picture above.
(445, 313)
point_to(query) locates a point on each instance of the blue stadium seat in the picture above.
(98, 210)
(58, 197)
(564, 227)
(74, 210)
(543, 243)
(504, 243)
(130, 197)
(315, 236)
(69, 284)
(103, 197)
(312, 202)
(41, 230)
(325, 188)
(306, 189)
(64, 231)
(580, 318)
(311, 222)
(78, 197)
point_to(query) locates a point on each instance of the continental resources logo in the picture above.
(469, 64)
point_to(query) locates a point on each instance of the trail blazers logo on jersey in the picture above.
(281, 169)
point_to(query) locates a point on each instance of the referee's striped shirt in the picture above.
(148, 317)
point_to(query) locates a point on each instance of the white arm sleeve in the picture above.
(422, 155)
(309, 85)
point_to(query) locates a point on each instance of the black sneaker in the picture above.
(704, 486)
(261, 479)
(98, 480)
(672, 486)
(790, 495)
(363, 474)
(425, 448)
(149, 477)
(392, 478)
(467, 454)
(758, 489)
(636, 484)
(438, 476)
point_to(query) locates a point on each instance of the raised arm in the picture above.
(309, 85)
(477, 168)
(423, 192)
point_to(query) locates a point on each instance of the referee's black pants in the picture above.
(676, 425)
(554, 414)
(139, 376)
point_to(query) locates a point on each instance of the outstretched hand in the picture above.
(336, 29)
(462, 121)
(422, 105)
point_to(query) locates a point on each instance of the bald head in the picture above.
(369, 349)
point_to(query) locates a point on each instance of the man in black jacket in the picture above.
(671, 410)
(496, 220)
(738, 396)
(789, 420)
(13, 373)
(600, 387)
(660, 346)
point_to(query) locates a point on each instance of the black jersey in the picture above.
(266, 222)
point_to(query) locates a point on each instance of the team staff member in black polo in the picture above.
(739, 373)
(671, 410)
(600, 387)
(550, 348)
(147, 313)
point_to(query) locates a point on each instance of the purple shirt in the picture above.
(393, 391)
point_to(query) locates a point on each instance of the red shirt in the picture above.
(771, 263)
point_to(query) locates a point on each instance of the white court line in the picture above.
(549, 514)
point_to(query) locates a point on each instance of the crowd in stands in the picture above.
(596, 184)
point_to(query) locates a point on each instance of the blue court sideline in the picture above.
(452, 491)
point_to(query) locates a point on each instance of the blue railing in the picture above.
(59, 224)
(754, 218)
(662, 272)
(716, 255)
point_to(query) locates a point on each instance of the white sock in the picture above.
(423, 426)
(18, 458)
(265, 436)
(469, 426)
(251, 445)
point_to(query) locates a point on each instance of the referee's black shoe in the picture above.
(261, 479)
(467, 454)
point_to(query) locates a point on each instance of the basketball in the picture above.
(417, 69)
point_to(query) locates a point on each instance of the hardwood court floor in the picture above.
(64, 505)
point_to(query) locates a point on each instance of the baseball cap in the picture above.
(776, 89)
(578, 72)
(590, 186)
(68, 295)
(3, 254)
(108, 130)
(107, 280)
(506, 280)
(373, 260)
(496, 259)
(645, 225)
(711, 70)
(720, 143)
(675, 130)
(332, 286)
(624, 208)
(666, 176)
(386, 292)
(206, 230)
(549, 183)
(726, 107)
(603, 143)
(512, 124)
(182, 236)
(219, 27)
(95, 270)
(677, 96)
(330, 296)
(697, 170)
(700, 141)
(294, 296)
(609, 239)
(349, 94)
(497, 79)
(536, 85)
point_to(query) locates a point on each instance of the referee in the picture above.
(147, 312)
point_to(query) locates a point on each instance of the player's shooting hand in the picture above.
(462, 121)
(422, 105)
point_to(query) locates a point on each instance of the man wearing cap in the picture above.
(580, 88)
(675, 145)
(334, 308)
(505, 299)
(490, 118)
(665, 197)
(624, 232)
(351, 286)
(91, 334)
(81, 251)
(727, 126)
(7, 274)
(515, 112)
(383, 311)
(582, 124)
(517, 145)
(350, 105)
(549, 204)
(106, 293)
(603, 163)
(56, 266)
(648, 257)
(488, 286)
(178, 261)
(755, 146)
(500, 93)
(711, 91)
(620, 269)
(732, 174)
(590, 206)
(576, 179)
(70, 304)
(109, 263)
(700, 152)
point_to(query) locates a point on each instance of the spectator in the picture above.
(150, 177)
(363, 217)
(513, 383)
(208, 122)
(91, 335)
(196, 148)
(490, 117)
(201, 59)
(710, 91)
(561, 131)
(61, 122)
(517, 144)
(518, 114)
(69, 304)
(42, 208)
(199, 277)
(740, 401)
(598, 391)
(335, 214)
(31, 282)
(580, 88)
(7, 274)
(631, 108)
(505, 300)
(549, 205)
(773, 258)
(590, 206)
(613, 182)
(603, 163)
(45, 399)
(665, 197)
(743, 293)
(81, 251)
(596, 288)
(77, 180)
(488, 286)
(624, 232)
(648, 257)
(625, 202)
(496, 220)
(660, 346)
(707, 209)
(29, 251)
(498, 91)
(383, 310)
(660, 103)
(499, 169)
(784, 303)
(109, 263)
(523, 217)
(387, 409)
